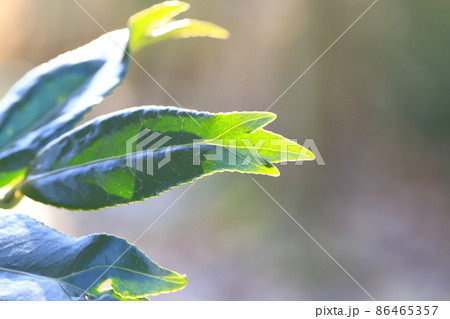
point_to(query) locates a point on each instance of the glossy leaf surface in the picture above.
(38, 263)
(53, 97)
(140, 152)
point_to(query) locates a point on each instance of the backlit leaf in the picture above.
(138, 153)
(155, 24)
(186, 28)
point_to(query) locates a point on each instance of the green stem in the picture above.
(11, 199)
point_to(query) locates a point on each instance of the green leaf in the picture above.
(185, 28)
(155, 24)
(8, 177)
(38, 263)
(49, 100)
(154, 17)
(140, 152)
(53, 97)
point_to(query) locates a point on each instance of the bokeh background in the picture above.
(376, 105)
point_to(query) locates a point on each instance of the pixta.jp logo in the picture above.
(144, 145)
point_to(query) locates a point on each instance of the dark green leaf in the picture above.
(112, 160)
(53, 97)
(38, 263)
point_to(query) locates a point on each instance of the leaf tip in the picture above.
(271, 115)
(307, 154)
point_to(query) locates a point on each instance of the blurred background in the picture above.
(376, 105)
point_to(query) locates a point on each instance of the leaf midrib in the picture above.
(61, 279)
(105, 159)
